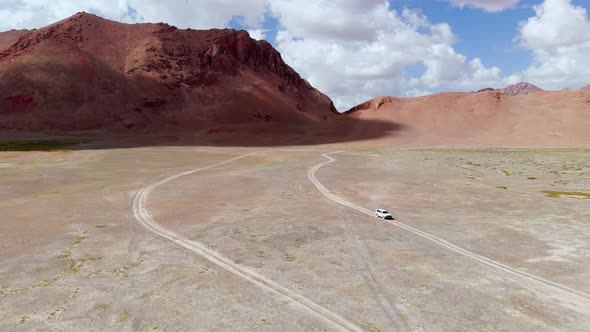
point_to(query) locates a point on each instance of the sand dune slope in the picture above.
(546, 118)
(8, 38)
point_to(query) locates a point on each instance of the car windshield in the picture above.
(385, 211)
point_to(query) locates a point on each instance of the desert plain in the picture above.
(162, 178)
(104, 237)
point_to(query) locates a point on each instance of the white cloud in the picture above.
(415, 18)
(352, 50)
(416, 93)
(451, 69)
(487, 5)
(557, 23)
(331, 20)
(199, 14)
(258, 34)
(365, 51)
(559, 38)
(18, 14)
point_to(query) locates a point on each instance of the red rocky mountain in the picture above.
(89, 73)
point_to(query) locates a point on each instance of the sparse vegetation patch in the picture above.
(35, 145)
(579, 194)
(102, 306)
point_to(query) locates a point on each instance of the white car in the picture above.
(381, 213)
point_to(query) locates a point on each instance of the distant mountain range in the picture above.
(86, 74)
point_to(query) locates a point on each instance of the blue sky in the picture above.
(489, 36)
(354, 50)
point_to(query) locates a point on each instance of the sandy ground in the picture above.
(73, 256)
(487, 119)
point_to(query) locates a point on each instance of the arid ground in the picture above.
(485, 240)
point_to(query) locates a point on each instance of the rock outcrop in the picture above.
(88, 73)
(520, 89)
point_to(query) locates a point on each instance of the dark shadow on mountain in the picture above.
(341, 130)
(113, 110)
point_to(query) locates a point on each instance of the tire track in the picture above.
(360, 257)
(143, 216)
(568, 297)
(299, 190)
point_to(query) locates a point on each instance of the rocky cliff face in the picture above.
(86, 72)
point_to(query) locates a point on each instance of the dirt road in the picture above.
(83, 246)
(142, 214)
(560, 294)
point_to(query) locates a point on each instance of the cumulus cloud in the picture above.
(487, 5)
(352, 50)
(258, 34)
(559, 38)
(557, 23)
(451, 69)
(416, 93)
(19, 14)
(365, 51)
(195, 14)
(198, 14)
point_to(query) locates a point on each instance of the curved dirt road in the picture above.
(566, 296)
(144, 217)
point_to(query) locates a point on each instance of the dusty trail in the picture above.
(563, 295)
(143, 216)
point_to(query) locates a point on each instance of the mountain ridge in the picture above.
(89, 73)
